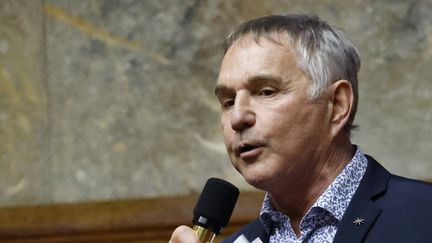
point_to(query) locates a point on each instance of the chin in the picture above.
(258, 180)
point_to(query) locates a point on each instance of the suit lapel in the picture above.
(257, 232)
(253, 232)
(362, 211)
(355, 226)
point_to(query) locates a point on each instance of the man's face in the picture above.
(273, 132)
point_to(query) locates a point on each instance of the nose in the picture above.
(242, 115)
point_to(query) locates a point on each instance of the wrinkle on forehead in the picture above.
(248, 43)
(246, 49)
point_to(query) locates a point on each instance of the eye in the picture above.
(226, 103)
(267, 92)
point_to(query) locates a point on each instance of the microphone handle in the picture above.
(204, 235)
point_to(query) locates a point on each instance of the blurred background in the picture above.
(113, 99)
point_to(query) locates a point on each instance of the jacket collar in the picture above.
(362, 211)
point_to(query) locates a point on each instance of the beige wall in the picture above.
(113, 99)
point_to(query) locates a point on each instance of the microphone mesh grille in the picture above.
(216, 203)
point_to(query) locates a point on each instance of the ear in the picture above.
(341, 98)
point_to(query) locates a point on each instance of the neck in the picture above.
(295, 200)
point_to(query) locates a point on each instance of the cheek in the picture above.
(224, 122)
(227, 133)
(277, 125)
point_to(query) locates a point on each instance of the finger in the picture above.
(184, 234)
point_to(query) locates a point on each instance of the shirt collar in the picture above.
(337, 196)
(334, 199)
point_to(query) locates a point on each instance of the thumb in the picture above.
(184, 234)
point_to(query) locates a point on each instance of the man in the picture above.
(288, 91)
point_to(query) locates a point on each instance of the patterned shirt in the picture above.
(321, 221)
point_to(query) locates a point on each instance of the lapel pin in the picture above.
(358, 221)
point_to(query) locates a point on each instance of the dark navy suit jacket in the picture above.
(394, 209)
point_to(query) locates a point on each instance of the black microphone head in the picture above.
(215, 205)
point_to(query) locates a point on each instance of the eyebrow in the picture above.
(272, 79)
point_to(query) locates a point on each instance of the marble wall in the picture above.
(107, 99)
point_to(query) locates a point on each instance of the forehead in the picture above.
(269, 55)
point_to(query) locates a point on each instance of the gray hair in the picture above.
(326, 55)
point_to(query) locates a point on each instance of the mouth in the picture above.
(246, 147)
(246, 150)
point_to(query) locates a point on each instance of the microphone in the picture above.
(214, 208)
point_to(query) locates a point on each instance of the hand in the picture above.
(184, 234)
